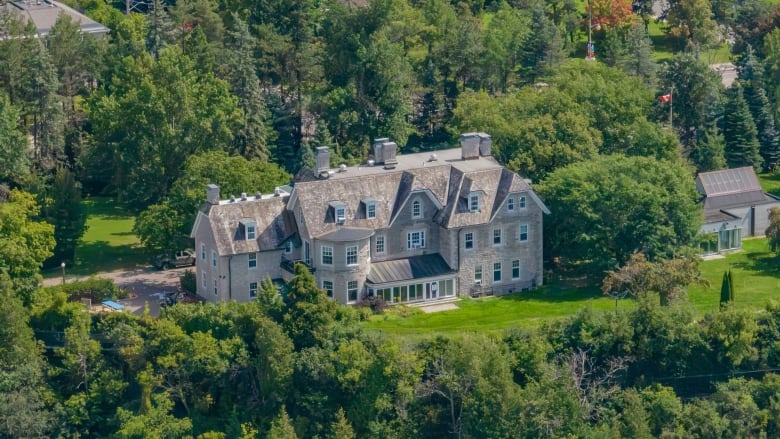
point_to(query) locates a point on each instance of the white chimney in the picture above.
(485, 145)
(469, 146)
(212, 194)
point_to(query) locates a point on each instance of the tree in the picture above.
(340, 428)
(773, 231)
(156, 422)
(709, 152)
(166, 226)
(281, 427)
(605, 210)
(667, 277)
(13, 144)
(62, 208)
(690, 21)
(544, 49)
(739, 131)
(726, 289)
(308, 311)
(24, 242)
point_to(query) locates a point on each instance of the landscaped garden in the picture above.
(756, 273)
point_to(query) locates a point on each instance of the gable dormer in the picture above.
(247, 229)
(475, 201)
(339, 212)
(369, 204)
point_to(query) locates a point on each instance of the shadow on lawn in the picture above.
(555, 294)
(99, 256)
(763, 262)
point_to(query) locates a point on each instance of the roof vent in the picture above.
(370, 162)
(232, 199)
(434, 157)
(342, 168)
(243, 196)
(277, 191)
(258, 195)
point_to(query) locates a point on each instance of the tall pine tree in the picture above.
(739, 131)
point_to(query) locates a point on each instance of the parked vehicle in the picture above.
(182, 258)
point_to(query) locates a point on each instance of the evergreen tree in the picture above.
(14, 157)
(725, 289)
(768, 138)
(308, 313)
(739, 131)
(62, 209)
(708, 153)
(544, 49)
(341, 428)
(281, 427)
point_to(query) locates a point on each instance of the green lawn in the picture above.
(770, 183)
(109, 242)
(756, 274)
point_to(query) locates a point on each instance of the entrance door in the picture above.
(431, 290)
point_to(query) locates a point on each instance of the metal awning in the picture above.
(415, 267)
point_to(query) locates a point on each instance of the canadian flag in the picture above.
(665, 98)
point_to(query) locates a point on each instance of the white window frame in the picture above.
(468, 241)
(510, 204)
(478, 275)
(202, 251)
(412, 243)
(341, 215)
(214, 258)
(523, 202)
(252, 257)
(497, 238)
(251, 231)
(417, 209)
(356, 289)
(380, 244)
(516, 269)
(474, 200)
(327, 287)
(371, 210)
(326, 251)
(497, 272)
(523, 235)
(351, 255)
(252, 288)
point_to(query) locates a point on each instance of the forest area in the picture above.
(239, 93)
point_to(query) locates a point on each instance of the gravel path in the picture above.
(146, 283)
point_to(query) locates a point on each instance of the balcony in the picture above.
(289, 265)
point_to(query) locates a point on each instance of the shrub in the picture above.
(189, 282)
(96, 288)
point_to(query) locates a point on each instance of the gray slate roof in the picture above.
(415, 267)
(449, 179)
(274, 224)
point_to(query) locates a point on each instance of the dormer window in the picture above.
(474, 202)
(249, 228)
(339, 212)
(371, 210)
(510, 204)
(416, 209)
(522, 202)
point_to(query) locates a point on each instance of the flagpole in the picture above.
(671, 102)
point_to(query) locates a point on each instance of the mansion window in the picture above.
(252, 260)
(469, 240)
(327, 255)
(416, 209)
(214, 259)
(516, 269)
(250, 232)
(203, 280)
(202, 251)
(288, 247)
(327, 286)
(371, 210)
(496, 236)
(478, 275)
(352, 255)
(415, 240)
(496, 272)
(510, 204)
(522, 202)
(474, 202)
(380, 244)
(341, 215)
(215, 287)
(252, 290)
(352, 291)
(523, 232)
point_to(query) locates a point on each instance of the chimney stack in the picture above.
(389, 149)
(212, 194)
(485, 145)
(469, 146)
(323, 161)
(379, 157)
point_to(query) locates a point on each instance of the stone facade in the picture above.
(408, 228)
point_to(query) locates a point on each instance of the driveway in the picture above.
(145, 283)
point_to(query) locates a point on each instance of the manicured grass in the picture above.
(770, 183)
(497, 313)
(756, 273)
(109, 242)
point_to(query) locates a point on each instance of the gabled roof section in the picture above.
(728, 181)
(44, 14)
(274, 224)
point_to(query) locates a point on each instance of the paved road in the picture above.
(146, 283)
(727, 72)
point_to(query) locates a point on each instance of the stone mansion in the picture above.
(408, 228)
